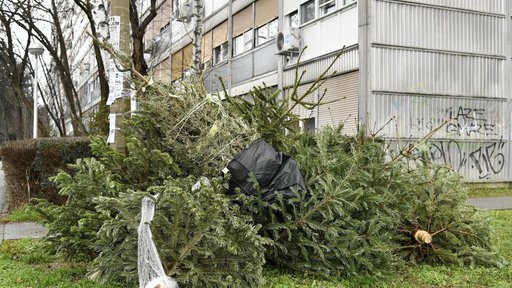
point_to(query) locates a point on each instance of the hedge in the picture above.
(28, 164)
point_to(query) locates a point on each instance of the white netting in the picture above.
(151, 271)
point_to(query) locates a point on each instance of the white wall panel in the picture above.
(435, 28)
(459, 118)
(349, 60)
(490, 6)
(290, 6)
(476, 161)
(330, 33)
(412, 71)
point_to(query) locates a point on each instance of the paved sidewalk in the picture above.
(491, 203)
(13, 231)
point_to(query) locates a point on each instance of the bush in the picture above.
(341, 226)
(435, 201)
(29, 163)
(195, 128)
(356, 216)
(203, 240)
(362, 206)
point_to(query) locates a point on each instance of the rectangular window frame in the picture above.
(327, 7)
(243, 42)
(220, 53)
(303, 10)
(267, 33)
(292, 19)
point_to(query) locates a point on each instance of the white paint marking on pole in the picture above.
(112, 128)
(116, 78)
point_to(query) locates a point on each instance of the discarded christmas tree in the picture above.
(361, 211)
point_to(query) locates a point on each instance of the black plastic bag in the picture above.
(275, 172)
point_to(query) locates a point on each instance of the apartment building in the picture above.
(81, 56)
(406, 68)
(239, 46)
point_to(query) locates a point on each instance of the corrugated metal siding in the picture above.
(346, 88)
(416, 116)
(476, 161)
(438, 28)
(490, 6)
(438, 61)
(349, 60)
(412, 71)
(312, 98)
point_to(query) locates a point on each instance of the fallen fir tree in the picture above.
(360, 213)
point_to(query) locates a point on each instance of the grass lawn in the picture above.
(24, 214)
(490, 192)
(24, 264)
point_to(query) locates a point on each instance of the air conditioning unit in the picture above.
(184, 10)
(288, 41)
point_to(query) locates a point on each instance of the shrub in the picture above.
(203, 240)
(29, 163)
(341, 225)
(194, 127)
(73, 227)
(435, 201)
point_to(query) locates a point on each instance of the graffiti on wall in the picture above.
(461, 121)
(484, 160)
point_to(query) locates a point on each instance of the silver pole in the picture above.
(35, 98)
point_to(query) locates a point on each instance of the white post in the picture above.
(35, 99)
(36, 50)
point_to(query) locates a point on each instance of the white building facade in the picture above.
(406, 68)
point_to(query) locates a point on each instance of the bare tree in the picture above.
(53, 100)
(16, 64)
(138, 27)
(29, 15)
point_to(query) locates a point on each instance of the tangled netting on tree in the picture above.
(151, 271)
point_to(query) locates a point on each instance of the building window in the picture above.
(267, 31)
(165, 27)
(346, 2)
(242, 43)
(327, 6)
(308, 125)
(307, 11)
(292, 19)
(220, 53)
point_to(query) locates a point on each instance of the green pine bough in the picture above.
(360, 213)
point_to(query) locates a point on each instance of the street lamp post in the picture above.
(36, 50)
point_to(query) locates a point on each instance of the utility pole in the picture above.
(198, 14)
(119, 81)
